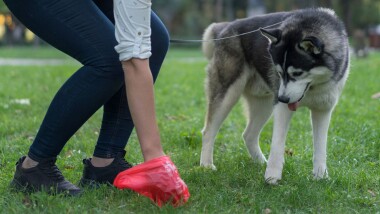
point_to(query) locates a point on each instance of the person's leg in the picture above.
(81, 30)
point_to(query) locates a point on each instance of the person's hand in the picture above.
(157, 179)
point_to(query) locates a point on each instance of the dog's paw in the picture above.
(320, 173)
(259, 158)
(272, 181)
(272, 176)
(208, 166)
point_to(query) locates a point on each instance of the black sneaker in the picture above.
(95, 176)
(43, 177)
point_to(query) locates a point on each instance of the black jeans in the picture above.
(84, 29)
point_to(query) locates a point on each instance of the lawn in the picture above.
(238, 185)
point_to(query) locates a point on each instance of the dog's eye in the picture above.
(297, 73)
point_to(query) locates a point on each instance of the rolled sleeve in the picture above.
(132, 28)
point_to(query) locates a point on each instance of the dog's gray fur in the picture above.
(303, 61)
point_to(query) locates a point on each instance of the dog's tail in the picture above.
(208, 45)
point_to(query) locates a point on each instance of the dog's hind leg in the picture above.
(218, 108)
(282, 116)
(321, 121)
(259, 110)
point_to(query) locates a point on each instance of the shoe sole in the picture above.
(17, 187)
(88, 183)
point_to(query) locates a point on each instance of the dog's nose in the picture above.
(283, 99)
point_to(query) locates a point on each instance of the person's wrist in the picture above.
(152, 155)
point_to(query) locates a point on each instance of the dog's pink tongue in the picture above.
(293, 106)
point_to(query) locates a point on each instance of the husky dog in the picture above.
(303, 60)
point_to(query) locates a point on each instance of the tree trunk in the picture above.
(219, 10)
(325, 3)
(230, 10)
(347, 14)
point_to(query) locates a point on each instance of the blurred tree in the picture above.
(219, 10)
(229, 10)
(365, 12)
(256, 7)
(188, 18)
(346, 13)
(325, 3)
(3, 7)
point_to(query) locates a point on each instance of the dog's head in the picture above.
(298, 61)
(308, 48)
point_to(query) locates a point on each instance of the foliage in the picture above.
(238, 185)
(188, 18)
(3, 7)
(192, 16)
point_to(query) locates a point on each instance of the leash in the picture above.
(192, 41)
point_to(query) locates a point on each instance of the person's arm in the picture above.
(140, 93)
(132, 24)
(132, 18)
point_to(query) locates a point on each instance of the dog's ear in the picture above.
(312, 45)
(274, 35)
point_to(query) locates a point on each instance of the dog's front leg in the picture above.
(321, 121)
(259, 111)
(282, 116)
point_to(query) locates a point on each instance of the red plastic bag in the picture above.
(157, 179)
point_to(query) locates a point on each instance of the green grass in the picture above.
(238, 185)
(42, 52)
